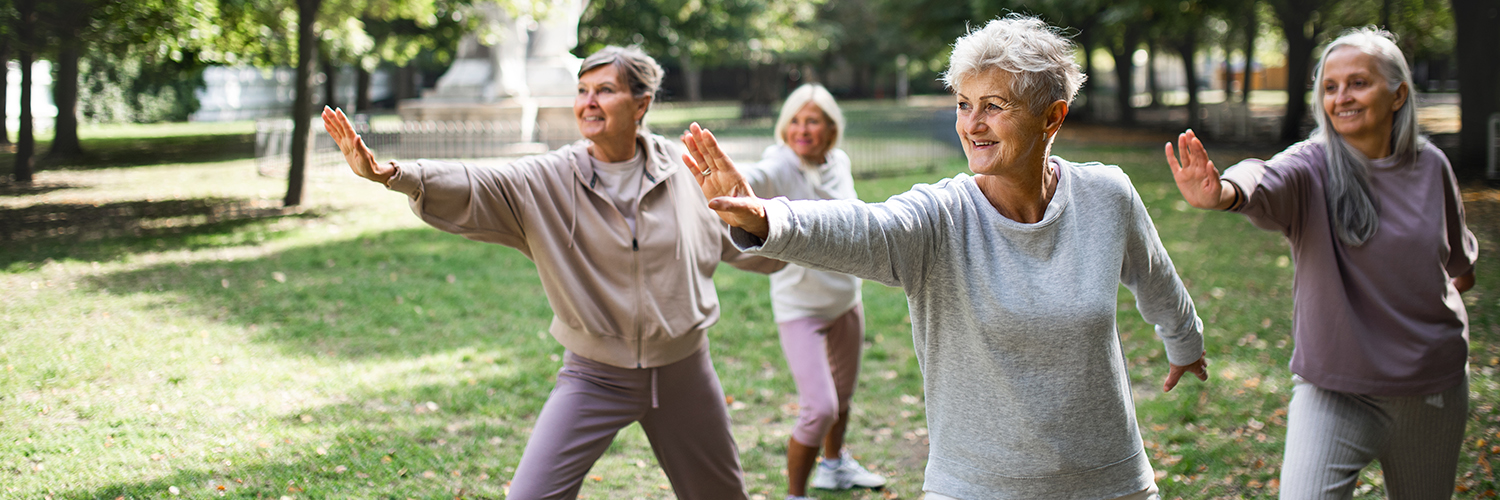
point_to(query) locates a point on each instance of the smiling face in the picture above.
(604, 108)
(1360, 105)
(1000, 136)
(810, 134)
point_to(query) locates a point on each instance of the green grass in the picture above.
(348, 351)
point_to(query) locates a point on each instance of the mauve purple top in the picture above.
(1382, 318)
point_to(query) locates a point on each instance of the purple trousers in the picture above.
(823, 355)
(680, 406)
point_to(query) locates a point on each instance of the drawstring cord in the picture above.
(653, 388)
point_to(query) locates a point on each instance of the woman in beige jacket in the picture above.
(626, 252)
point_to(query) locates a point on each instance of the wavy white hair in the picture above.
(819, 96)
(1354, 210)
(1039, 56)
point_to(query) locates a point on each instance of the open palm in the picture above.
(1195, 174)
(359, 156)
(726, 189)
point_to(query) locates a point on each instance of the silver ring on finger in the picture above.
(706, 171)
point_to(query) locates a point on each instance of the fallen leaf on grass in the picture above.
(429, 474)
(597, 478)
(341, 469)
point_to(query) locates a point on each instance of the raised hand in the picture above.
(1196, 176)
(1199, 368)
(727, 191)
(359, 156)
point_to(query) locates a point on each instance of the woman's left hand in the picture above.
(727, 191)
(1465, 282)
(1199, 368)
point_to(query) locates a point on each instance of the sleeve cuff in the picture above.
(1186, 345)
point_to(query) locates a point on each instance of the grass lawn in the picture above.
(195, 341)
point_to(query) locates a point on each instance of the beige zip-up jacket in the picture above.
(638, 300)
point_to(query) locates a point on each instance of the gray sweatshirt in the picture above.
(1013, 324)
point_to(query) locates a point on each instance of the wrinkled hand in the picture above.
(1196, 176)
(359, 156)
(1199, 368)
(727, 191)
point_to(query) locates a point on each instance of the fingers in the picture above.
(692, 166)
(1172, 159)
(693, 140)
(1173, 376)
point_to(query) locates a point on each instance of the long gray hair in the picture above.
(1354, 210)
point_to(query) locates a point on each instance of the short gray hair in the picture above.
(642, 74)
(1039, 56)
(1351, 206)
(819, 96)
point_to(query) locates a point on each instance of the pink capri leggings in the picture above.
(823, 355)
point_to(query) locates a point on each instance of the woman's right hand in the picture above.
(1196, 176)
(359, 156)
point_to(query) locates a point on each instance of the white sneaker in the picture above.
(848, 474)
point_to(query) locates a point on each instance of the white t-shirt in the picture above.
(621, 182)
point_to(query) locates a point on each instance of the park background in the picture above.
(198, 300)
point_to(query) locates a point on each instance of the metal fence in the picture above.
(898, 144)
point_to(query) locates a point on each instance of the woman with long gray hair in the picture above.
(626, 255)
(1376, 224)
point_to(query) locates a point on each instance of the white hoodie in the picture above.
(798, 292)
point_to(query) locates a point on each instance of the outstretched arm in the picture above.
(1196, 176)
(726, 189)
(359, 156)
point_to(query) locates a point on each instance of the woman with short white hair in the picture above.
(1376, 225)
(1012, 276)
(818, 313)
(627, 264)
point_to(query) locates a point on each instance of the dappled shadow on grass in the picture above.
(9, 188)
(38, 232)
(424, 441)
(397, 293)
(141, 151)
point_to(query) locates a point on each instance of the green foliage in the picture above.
(137, 87)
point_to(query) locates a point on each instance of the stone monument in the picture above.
(516, 68)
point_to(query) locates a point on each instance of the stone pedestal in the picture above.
(527, 76)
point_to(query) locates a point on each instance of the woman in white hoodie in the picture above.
(818, 313)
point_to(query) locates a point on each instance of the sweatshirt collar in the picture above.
(659, 153)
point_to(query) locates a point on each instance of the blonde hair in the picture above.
(1039, 56)
(818, 96)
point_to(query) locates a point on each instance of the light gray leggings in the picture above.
(1332, 435)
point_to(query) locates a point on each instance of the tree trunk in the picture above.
(406, 85)
(1476, 42)
(1152, 85)
(307, 45)
(1295, 19)
(692, 76)
(330, 82)
(1125, 74)
(361, 90)
(25, 143)
(1187, 48)
(65, 95)
(1252, 27)
(4, 88)
(1086, 40)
